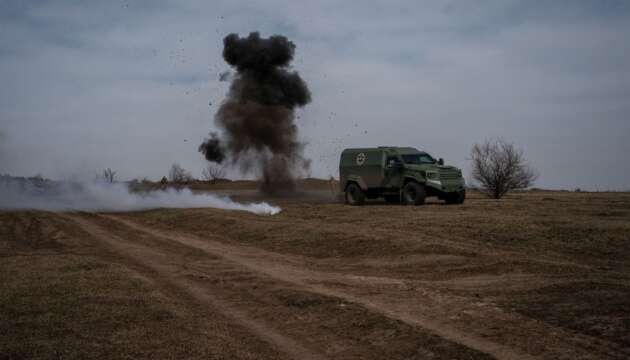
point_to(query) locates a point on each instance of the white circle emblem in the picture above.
(361, 158)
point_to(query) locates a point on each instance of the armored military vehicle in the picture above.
(399, 175)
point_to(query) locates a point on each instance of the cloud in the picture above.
(128, 85)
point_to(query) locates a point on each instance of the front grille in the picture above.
(449, 175)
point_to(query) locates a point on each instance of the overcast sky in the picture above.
(133, 85)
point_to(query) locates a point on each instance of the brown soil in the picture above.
(535, 275)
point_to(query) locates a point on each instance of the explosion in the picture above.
(257, 117)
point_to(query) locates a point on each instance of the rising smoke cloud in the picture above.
(258, 132)
(110, 197)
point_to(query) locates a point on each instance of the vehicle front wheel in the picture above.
(354, 195)
(413, 194)
(456, 197)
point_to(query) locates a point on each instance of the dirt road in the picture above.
(268, 287)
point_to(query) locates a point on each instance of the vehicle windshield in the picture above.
(418, 159)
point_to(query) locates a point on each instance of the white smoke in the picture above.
(99, 196)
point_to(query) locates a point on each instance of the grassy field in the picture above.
(536, 274)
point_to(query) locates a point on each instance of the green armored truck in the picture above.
(398, 174)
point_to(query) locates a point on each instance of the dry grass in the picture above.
(63, 297)
(579, 239)
(549, 267)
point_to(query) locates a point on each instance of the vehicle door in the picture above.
(393, 171)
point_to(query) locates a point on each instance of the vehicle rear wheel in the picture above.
(413, 194)
(392, 199)
(456, 197)
(354, 195)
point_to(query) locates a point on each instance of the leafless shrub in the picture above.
(109, 175)
(213, 172)
(178, 174)
(499, 167)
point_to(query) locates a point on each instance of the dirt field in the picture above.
(535, 275)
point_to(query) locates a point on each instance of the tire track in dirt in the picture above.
(328, 324)
(512, 331)
(158, 271)
(260, 261)
(291, 269)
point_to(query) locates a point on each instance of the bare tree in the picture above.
(109, 175)
(213, 172)
(178, 174)
(499, 167)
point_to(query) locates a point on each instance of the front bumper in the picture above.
(453, 185)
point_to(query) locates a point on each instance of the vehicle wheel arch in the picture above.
(409, 179)
(354, 195)
(350, 182)
(356, 180)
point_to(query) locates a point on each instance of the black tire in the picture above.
(456, 197)
(413, 194)
(392, 199)
(354, 195)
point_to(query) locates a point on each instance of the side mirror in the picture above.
(441, 161)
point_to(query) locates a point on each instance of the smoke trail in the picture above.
(257, 117)
(97, 196)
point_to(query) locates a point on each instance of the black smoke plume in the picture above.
(211, 148)
(258, 132)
